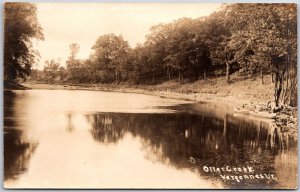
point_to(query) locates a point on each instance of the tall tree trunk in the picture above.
(287, 62)
(278, 87)
(169, 73)
(227, 71)
(116, 77)
(168, 76)
(293, 82)
(225, 127)
(262, 75)
(272, 78)
(153, 79)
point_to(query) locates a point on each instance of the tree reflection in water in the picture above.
(105, 130)
(17, 153)
(17, 150)
(70, 125)
(186, 139)
(193, 141)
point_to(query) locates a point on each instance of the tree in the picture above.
(218, 29)
(155, 50)
(137, 69)
(174, 48)
(267, 32)
(20, 27)
(177, 51)
(51, 69)
(110, 55)
(74, 49)
(73, 64)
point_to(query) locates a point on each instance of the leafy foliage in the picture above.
(250, 39)
(20, 27)
(110, 56)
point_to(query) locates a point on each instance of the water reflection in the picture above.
(17, 149)
(70, 125)
(105, 130)
(156, 143)
(193, 141)
(17, 154)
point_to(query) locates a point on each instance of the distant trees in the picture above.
(73, 64)
(110, 57)
(20, 27)
(179, 49)
(254, 39)
(54, 72)
(74, 49)
(138, 72)
(51, 69)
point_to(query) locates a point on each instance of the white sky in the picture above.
(83, 23)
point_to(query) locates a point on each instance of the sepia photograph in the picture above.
(150, 95)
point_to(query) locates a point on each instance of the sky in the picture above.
(83, 23)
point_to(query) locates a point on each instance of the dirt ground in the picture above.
(247, 92)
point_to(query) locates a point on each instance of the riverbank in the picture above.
(247, 93)
(9, 85)
(239, 92)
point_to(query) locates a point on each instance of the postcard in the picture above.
(150, 96)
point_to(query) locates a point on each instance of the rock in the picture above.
(276, 109)
(192, 160)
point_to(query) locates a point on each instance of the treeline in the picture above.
(254, 39)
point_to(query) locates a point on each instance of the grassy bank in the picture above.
(248, 93)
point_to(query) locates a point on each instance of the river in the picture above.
(93, 139)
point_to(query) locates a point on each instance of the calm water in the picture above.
(86, 139)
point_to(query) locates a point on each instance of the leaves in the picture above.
(110, 54)
(20, 27)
